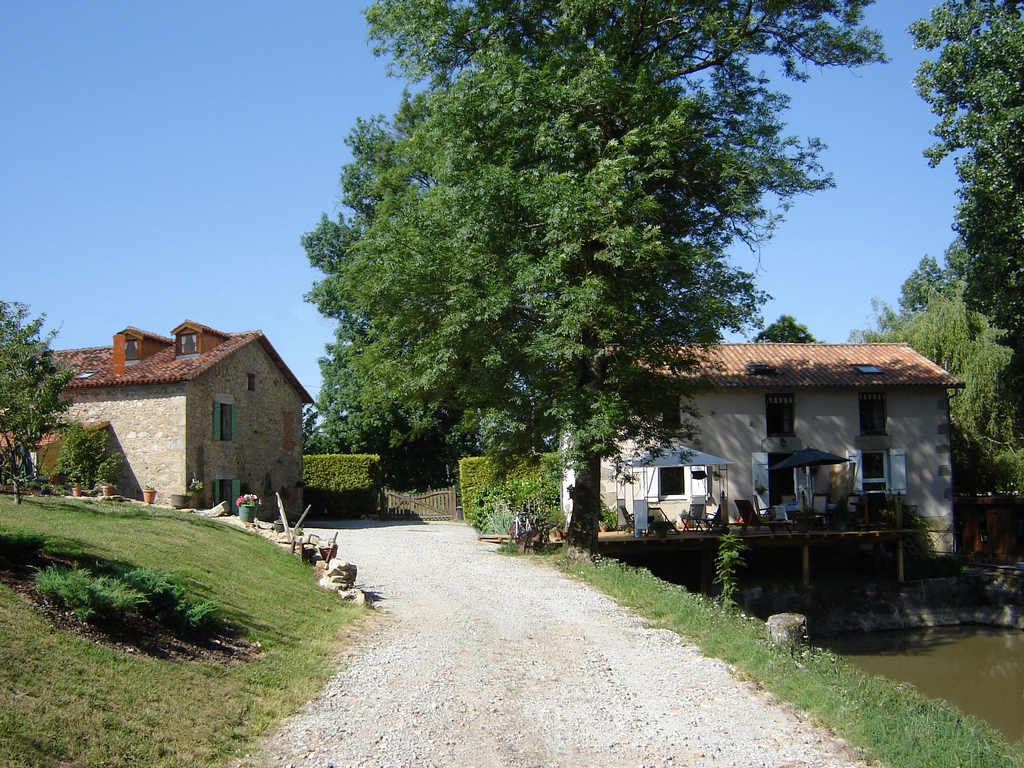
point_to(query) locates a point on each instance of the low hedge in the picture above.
(342, 485)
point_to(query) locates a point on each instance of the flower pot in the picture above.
(149, 495)
(247, 513)
(278, 527)
(108, 490)
(76, 491)
(180, 501)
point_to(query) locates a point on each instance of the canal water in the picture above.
(978, 669)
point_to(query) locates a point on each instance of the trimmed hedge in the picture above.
(476, 471)
(342, 485)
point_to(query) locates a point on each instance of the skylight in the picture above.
(761, 369)
(86, 374)
(866, 368)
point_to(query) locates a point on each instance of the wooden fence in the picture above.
(439, 504)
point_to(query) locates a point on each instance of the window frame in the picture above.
(179, 343)
(868, 406)
(131, 350)
(681, 484)
(776, 405)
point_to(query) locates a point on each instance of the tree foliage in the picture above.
(31, 385)
(419, 446)
(786, 329)
(935, 320)
(539, 235)
(974, 88)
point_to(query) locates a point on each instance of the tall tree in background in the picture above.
(419, 446)
(31, 385)
(540, 233)
(786, 329)
(935, 320)
(974, 87)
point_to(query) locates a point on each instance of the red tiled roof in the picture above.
(823, 365)
(163, 367)
(147, 335)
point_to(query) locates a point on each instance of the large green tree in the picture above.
(974, 88)
(934, 319)
(31, 385)
(540, 233)
(786, 329)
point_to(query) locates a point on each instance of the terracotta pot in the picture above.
(108, 490)
(149, 495)
(76, 491)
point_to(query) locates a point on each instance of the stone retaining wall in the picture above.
(980, 596)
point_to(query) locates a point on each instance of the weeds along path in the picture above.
(484, 660)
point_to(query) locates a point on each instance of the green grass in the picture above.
(887, 721)
(67, 701)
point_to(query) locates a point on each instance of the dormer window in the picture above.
(131, 350)
(187, 344)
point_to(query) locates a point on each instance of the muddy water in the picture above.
(978, 669)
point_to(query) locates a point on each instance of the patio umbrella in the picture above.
(809, 457)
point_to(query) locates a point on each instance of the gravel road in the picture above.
(484, 660)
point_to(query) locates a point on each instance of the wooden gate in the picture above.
(439, 504)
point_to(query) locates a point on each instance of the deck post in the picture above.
(805, 556)
(899, 559)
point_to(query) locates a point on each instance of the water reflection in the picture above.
(978, 669)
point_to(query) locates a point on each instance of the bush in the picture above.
(83, 457)
(86, 595)
(18, 546)
(342, 485)
(94, 595)
(481, 479)
(939, 567)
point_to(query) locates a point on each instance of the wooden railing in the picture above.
(439, 504)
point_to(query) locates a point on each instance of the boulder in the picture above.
(788, 628)
(219, 511)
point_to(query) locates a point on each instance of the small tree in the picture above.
(83, 457)
(31, 385)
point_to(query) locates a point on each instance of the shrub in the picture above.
(342, 485)
(86, 595)
(481, 479)
(83, 457)
(18, 546)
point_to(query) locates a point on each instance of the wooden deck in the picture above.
(617, 543)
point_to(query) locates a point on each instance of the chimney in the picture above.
(118, 359)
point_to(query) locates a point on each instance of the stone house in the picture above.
(884, 407)
(201, 404)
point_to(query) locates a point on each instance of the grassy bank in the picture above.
(889, 722)
(65, 700)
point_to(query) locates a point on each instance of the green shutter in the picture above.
(216, 421)
(236, 491)
(234, 422)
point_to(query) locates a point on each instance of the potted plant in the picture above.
(804, 519)
(148, 494)
(841, 514)
(195, 491)
(660, 527)
(247, 504)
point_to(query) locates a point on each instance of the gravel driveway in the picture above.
(485, 660)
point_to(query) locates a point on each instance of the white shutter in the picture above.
(759, 475)
(858, 471)
(898, 470)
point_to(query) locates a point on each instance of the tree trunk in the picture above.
(586, 510)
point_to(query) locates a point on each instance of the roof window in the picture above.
(866, 368)
(86, 374)
(761, 369)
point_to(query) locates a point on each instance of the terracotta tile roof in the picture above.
(792, 366)
(131, 330)
(163, 367)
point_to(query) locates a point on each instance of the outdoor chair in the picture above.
(750, 517)
(696, 517)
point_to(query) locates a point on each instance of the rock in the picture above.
(219, 511)
(345, 571)
(787, 628)
(356, 596)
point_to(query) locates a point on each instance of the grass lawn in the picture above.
(65, 700)
(891, 723)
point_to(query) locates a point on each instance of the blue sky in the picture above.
(160, 161)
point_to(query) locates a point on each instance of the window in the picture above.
(866, 368)
(187, 344)
(131, 349)
(778, 411)
(875, 471)
(670, 481)
(872, 413)
(86, 374)
(251, 381)
(225, 423)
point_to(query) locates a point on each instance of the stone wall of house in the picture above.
(147, 424)
(267, 454)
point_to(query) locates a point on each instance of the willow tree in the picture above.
(540, 234)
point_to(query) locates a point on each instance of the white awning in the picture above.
(676, 456)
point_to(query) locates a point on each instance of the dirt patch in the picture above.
(128, 632)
